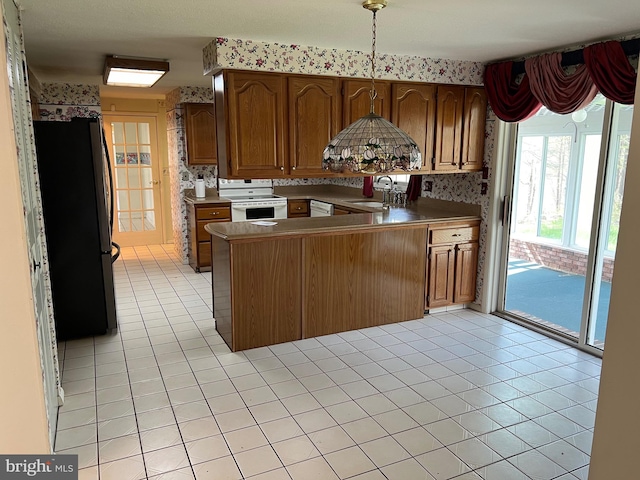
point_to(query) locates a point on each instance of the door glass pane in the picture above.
(610, 221)
(150, 220)
(118, 132)
(147, 176)
(145, 155)
(119, 155)
(123, 200)
(134, 177)
(554, 186)
(147, 199)
(527, 186)
(124, 222)
(136, 202)
(143, 133)
(132, 155)
(553, 198)
(121, 177)
(587, 191)
(130, 133)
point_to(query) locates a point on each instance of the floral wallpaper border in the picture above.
(277, 57)
(63, 101)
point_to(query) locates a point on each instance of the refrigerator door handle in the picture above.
(117, 254)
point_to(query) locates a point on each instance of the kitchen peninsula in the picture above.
(306, 277)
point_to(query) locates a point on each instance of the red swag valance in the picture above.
(606, 69)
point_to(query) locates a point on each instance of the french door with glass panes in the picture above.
(133, 148)
(566, 194)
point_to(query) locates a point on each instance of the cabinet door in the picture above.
(357, 101)
(414, 111)
(449, 128)
(200, 128)
(466, 268)
(441, 275)
(256, 116)
(314, 119)
(475, 117)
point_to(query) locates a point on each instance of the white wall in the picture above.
(615, 443)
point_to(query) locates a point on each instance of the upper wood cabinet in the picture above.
(460, 126)
(200, 129)
(475, 119)
(356, 100)
(272, 125)
(255, 134)
(413, 108)
(314, 119)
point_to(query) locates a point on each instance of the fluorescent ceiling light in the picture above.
(133, 72)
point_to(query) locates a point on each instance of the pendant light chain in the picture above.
(371, 144)
(373, 94)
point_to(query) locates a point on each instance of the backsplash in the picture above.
(181, 175)
(63, 101)
(277, 57)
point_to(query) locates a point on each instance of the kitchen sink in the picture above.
(368, 203)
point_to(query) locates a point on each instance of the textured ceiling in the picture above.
(67, 40)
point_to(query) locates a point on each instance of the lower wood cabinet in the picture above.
(297, 208)
(200, 240)
(452, 263)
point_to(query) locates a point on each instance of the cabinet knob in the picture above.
(298, 208)
(455, 235)
(214, 213)
(282, 169)
(293, 168)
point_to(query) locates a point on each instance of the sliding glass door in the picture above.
(566, 192)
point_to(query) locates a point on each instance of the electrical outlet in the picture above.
(483, 188)
(185, 176)
(428, 186)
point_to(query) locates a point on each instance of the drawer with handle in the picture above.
(298, 207)
(213, 213)
(454, 235)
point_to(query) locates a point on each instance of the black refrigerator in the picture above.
(75, 185)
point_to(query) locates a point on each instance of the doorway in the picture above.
(566, 189)
(133, 147)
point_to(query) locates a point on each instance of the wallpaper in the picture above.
(251, 55)
(33, 214)
(181, 175)
(63, 101)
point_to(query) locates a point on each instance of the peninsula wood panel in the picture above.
(221, 286)
(266, 281)
(362, 280)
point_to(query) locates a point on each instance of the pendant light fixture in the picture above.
(372, 144)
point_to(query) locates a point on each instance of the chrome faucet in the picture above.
(386, 194)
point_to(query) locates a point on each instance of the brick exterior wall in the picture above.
(557, 258)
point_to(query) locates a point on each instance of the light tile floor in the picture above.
(456, 395)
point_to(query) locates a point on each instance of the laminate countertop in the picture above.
(211, 196)
(423, 211)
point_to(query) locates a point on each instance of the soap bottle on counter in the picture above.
(200, 189)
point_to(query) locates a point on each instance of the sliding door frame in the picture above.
(504, 186)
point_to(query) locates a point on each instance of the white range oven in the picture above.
(252, 199)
